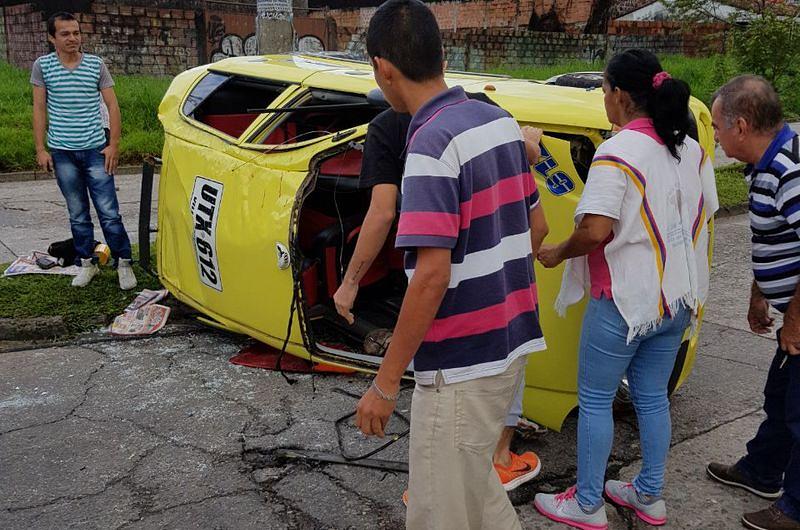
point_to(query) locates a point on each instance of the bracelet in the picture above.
(383, 395)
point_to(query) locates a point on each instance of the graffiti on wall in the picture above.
(310, 44)
(223, 44)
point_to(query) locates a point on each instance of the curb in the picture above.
(730, 211)
(23, 176)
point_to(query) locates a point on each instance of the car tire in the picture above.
(587, 80)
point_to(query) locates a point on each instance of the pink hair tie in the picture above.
(659, 78)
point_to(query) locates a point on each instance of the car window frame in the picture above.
(264, 127)
(289, 90)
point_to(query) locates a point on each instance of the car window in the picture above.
(320, 112)
(228, 103)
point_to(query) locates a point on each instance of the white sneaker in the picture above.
(88, 271)
(127, 280)
(652, 511)
(564, 508)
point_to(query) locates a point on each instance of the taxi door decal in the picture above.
(558, 182)
(204, 207)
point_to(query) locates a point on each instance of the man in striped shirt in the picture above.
(68, 86)
(470, 314)
(748, 121)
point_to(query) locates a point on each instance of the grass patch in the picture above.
(731, 187)
(83, 309)
(704, 75)
(139, 97)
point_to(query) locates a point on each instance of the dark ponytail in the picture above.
(664, 99)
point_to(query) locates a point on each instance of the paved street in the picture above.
(164, 432)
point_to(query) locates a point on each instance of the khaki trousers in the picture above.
(454, 431)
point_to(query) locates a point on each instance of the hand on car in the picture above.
(373, 413)
(758, 316)
(44, 160)
(550, 256)
(344, 298)
(532, 137)
(112, 157)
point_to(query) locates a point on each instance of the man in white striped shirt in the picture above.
(748, 121)
(68, 86)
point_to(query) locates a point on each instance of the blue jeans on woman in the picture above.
(604, 358)
(81, 174)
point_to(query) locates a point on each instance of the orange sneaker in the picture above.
(523, 468)
(405, 498)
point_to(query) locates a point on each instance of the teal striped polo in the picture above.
(73, 101)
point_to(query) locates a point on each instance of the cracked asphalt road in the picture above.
(164, 432)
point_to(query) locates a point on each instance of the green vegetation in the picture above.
(138, 96)
(704, 75)
(731, 186)
(83, 309)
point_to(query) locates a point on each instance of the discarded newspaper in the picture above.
(146, 297)
(144, 321)
(27, 265)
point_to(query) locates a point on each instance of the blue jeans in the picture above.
(604, 358)
(81, 174)
(773, 456)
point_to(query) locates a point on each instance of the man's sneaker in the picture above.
(88, 271)
(771, 518)
(522, 468)
(564, 508)
(127, 280)
(652, 510)
(731, 476)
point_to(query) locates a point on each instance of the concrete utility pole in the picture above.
(274, 26)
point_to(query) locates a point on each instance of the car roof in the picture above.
(526, 100)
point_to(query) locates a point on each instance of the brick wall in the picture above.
(487, 49)
(570, 15)
(26, 34)
(131, 39)
(135, 39)
(3, 42)
(668, 37)
(452, 15)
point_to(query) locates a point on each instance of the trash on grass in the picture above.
(27, 265)
(145, 298)
(144, 321)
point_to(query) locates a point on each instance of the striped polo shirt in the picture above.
(467, 187)
(775, 218)
(73, 102)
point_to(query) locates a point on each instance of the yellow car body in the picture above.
(229, 200)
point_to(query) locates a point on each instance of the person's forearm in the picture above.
(793, 311)
(114, 124)
(39, 128)
(537, 237)
(580, 243)
(420, 305)
(370, 241)
(755, 292)
(539, 228)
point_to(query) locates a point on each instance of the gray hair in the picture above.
(753, 98)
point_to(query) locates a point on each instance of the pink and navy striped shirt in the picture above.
(467, 186)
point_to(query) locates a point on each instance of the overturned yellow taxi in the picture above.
(260, 206)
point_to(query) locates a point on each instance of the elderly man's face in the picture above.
(730, 137)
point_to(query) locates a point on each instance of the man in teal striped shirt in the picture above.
(67, 89)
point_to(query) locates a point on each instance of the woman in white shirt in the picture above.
(641, 247)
